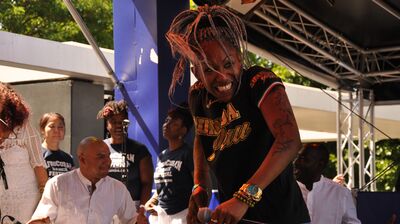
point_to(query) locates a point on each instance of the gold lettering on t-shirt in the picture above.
(229, 137)
(217, 128)
(220, 139)
(229, 114)
(206, 126)
(199, 124)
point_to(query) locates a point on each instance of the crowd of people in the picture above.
(40, 183)
(245, 134)
(117, 170)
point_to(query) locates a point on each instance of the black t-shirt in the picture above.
(238, 138)
(135, 153)
(173, 179)
(57, 162)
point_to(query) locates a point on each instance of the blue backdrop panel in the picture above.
(378, 207)
(167, 10)
(134, 43)
(143, 63)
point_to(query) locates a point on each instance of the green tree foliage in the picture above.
(51, 20)
(284, 73)
(387, 152)
(192, 5)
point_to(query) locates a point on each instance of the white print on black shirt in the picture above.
(163, 172)
(58, 167)
(117, 159)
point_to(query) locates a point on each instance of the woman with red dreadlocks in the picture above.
(244, 124)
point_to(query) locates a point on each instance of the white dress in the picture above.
(20, 155)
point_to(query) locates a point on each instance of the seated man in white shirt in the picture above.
(87, 194)
(327, 201)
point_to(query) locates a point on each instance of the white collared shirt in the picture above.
(329, 202)
(67, 198)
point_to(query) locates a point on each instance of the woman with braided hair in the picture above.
(135, 157)
(244, 124)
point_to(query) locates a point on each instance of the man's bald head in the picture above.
(83, 145)
(94, 158)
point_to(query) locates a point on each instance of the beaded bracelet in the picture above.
(243, 198)
(247, 196)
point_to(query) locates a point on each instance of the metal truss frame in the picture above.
(310, 39)
(356, 142)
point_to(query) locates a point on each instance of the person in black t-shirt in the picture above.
(52, 128)
(245, 129)
(137, 160)
(174, 172)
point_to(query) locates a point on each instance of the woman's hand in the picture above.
(149, 206)
(198, 199)
(229, 212)
(141, 219)
(192, 212)
(339, 179)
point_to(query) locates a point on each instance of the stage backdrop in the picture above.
(378, 207)
(143, 63)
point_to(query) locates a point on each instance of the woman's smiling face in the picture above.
(221, 74)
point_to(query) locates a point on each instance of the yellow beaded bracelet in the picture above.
(243, 198)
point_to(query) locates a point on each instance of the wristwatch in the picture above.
(252, 190)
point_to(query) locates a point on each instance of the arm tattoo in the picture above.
(283, 122)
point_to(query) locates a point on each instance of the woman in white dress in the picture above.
(22, 168)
